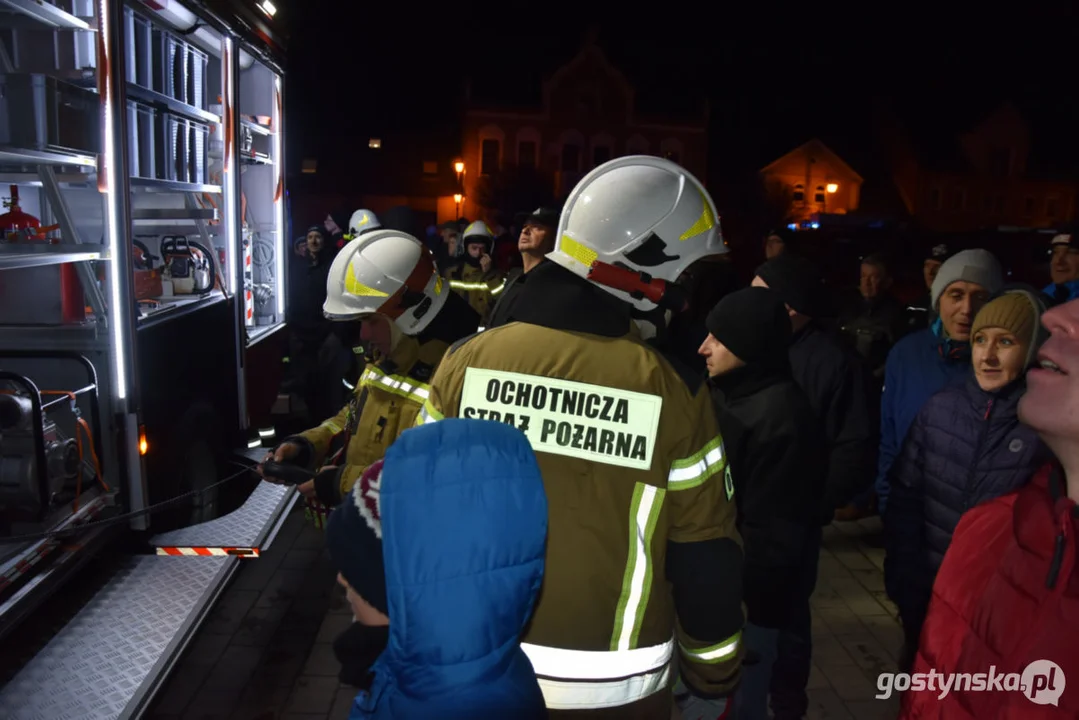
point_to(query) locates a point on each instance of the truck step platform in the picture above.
(243, 532)
(111, 658)
(114, 655)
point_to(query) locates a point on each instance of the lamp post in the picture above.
(459, 168)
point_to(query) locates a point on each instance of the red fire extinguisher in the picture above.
(17, 226)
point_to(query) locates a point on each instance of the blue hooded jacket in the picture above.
(464, 529)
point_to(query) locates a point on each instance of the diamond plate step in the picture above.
(111, 658)
(253, 525)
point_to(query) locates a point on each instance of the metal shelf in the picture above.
(155, 228)
(245, 159)
(260, 161)
(178, 306)
(53, 337)
(25, 157)
(256, 128)
(180, 108)
(23, 255)
(155, 185)
(174, 213)
(258, 333)
(48, 14)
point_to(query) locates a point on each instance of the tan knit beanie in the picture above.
(1013, 312)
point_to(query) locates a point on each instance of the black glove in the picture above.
(357, 649)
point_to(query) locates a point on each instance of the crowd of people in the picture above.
(595, 482)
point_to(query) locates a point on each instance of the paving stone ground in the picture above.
(265, 653)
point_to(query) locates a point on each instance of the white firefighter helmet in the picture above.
(362, 221)
(388, 272)
(634, 224)
(480, 230)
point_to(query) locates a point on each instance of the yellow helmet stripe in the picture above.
(704, 223)
(355, 287)
(577, 251)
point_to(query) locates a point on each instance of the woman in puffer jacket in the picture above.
(965, 447)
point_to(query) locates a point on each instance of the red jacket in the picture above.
(1007, 595)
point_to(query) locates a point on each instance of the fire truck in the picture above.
(143, 262)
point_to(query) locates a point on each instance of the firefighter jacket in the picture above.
(387, 398)
(643, 558)
(480, 289)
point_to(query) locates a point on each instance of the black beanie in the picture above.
(753, 324)
(354, 539)
(797, 280)
(786, 235)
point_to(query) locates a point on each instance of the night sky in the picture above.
(773, 80)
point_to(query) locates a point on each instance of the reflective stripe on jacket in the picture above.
(395, 391)
(480, 289)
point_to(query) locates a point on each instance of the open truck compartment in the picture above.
(142, 286)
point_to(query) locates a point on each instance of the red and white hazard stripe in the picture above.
(208, 551)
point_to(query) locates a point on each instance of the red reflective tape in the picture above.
(208, 551)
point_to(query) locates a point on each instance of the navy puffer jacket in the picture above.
(965, 447)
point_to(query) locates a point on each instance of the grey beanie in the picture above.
(974, 266)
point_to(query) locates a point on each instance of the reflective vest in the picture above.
(385, 402)
(631, 459)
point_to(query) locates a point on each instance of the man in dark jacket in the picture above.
(832, 379)
(835, 384)
(537, 238)
(777, 458)
(317, 355)
(872, 320)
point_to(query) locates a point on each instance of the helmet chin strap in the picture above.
(652, 323)
(395, 335)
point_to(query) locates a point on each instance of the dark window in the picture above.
(934, 199)
(1052, 207)
(959, 199)
(600, 155)
(430, 168)
(526, 154)
(571, 158)
(818, 196)
(1028, 207)
(489, 157)
(999, 206)
(799, 194)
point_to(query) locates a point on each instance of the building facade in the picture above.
(983, 178)
(811, 180)
(587, 116)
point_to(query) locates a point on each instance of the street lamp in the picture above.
(457, 199)
(459, 167)
(831, 188)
